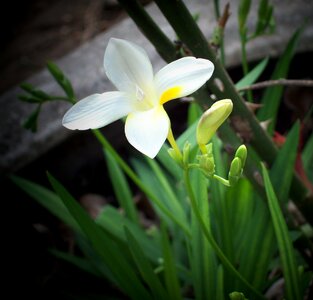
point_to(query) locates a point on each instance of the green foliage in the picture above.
(62, 80)
(285, 247)
(272, 95)
(210, 237)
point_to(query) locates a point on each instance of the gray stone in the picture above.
(84, 67)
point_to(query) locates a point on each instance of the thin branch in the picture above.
(285, 82)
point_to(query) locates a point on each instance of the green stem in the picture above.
(192, 36)
(132, 175)
(217, 17)
(222, 180)
(173, 144)
(244, 60)
(189, 32)
(212, 241)
(161, 42)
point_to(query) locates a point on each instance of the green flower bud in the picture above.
(211, 120)
(173, 154)
(207, 164)
(242, 154)
(237, 296)
(235, 171)
(186, 152)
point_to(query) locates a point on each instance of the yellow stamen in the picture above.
(170, 94)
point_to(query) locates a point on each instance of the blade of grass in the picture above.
(106, 248)
(283, 168)
(46, 198)
(220, 291)
(272, 96)
(121, 188)
(307, 158)
(114, 222)
(133, 176)
(170, 272)
(145, 267)
(79, 262)
(286, 251)
(174, 204)
(94, 258)
(202, 257)
(253, 75)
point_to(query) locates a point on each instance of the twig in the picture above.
(286, 82)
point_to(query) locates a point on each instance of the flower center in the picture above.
(170, 94)
(140, 95)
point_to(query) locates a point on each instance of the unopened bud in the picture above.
(207, 164)
(186, 152)
(237, 296)
(212, 119)
(173, 154)
(242, 154)
(235, 171)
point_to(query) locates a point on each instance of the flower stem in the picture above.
(211, 239)
(191, 35)
(173, 144)
(132, 175)
(261, 142)
(244, 61)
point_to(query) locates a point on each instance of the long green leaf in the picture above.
(173, 202)
(272, 95)
(145, 267)
(79, 262)
(109, 252)
(47, 199)
(307, 158)
(282, 170)
(202, 257)
(62, 80)
(121, 187)
(170, 272)
(253, 75)
(220, 290)
(113, 222)
(287, 255)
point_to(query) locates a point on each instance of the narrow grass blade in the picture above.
(283, 168)
(121, 188)
(272, 95)
(202, 257)
(113, 223)
(108, 251)
(253, 75)
(164, 184)
(48, 199)
(170, 272)
(220, 290)
(79, 262)
(307, 158)
(286, 251)
(160, 200)
(145, 267)
(194, 113)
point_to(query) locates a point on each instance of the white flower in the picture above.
(140, 95)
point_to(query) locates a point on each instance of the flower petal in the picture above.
(97, 110)
(182, 77)
(147, 130)
(128, 67)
